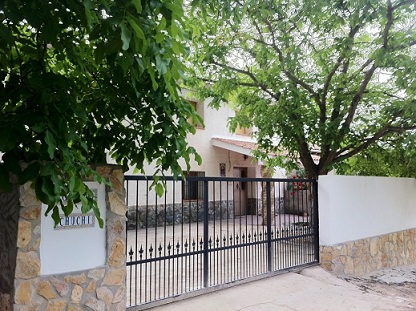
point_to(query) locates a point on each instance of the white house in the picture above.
(223, 153)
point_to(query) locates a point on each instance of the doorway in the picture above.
(240, 191)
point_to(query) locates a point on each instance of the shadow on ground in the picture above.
(398, 283)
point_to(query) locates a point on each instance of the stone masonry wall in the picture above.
(366, 255)
(102, 288)
(177, 213)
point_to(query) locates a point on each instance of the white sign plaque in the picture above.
(77, 242)
(76, 220)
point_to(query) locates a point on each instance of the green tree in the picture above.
(337, 76)
(80, 79)
(391, 156)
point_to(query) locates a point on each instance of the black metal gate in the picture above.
(208, 231)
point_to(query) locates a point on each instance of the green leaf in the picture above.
(81, 187)
(85, 207)
(113, 45)
(40, 194)
(48, 189)
(51, 142)
(57, 182)
(138, 5)
(68, 207)
(138, 31)
(125, 37)
(177, 48)
(159, 38)
(47, 169)
(96, 211)
(6, 34)
(162, 25)
(55, 215)
(39, 127)
(175, 8)
(99, 53)
(151, 72)
(161, 65)
(160, 190)
(30, 172)
(198, 159)
(74, 184)
(8, 139)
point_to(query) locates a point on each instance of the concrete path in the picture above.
(312, 289)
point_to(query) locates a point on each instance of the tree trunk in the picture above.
(9, 217)
(313, 170)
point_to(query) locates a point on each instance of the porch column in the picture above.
(266, 173)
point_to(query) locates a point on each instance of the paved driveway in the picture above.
(312, 289)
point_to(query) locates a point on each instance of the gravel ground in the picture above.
(399, 283)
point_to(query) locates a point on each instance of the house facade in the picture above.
(224, 154)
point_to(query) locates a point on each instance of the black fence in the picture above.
(207, 231)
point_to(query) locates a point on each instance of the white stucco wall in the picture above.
(355, 207)
(76, 247)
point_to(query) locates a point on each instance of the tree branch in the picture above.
(305, 154)
(336, 108)
(400, 4)
(276, 96)
(403, 46)
(390, 20)
(388, 24)
(259, 32)
(361, 69)
(368, 75)
(291, 77)
(356, 99)
(388, 129)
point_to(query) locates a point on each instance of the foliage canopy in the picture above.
(84, 78)
(394, 157)
(336, 76)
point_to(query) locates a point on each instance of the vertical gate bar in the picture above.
(269, 227)
(198, 217)
(206, 231)
(127, 213)
(214, 237)
(173, 239)
(187, 266)
(136, 237)
(164, 240)
(146, 239)
(221, 239)
(179, 264)
(127, 249)
(226, 252)
(159, 273)
(155, 248)
(188, 242)
(315, 219)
